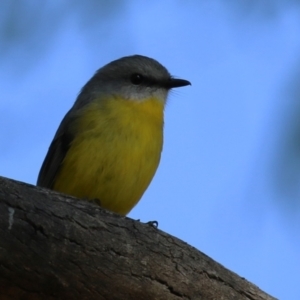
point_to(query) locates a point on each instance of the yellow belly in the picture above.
(115, 153)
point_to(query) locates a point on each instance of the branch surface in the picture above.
(54, 246)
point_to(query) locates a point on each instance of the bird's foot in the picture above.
(95, 201)
(153, 224)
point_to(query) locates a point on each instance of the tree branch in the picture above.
(54, 246)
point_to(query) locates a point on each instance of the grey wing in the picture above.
(56, 153)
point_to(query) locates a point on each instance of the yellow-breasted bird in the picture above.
(108, 145)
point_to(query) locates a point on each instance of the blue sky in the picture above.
(217, 186)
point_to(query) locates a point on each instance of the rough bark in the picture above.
(57, 247)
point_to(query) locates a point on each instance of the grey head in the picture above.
(134, 77)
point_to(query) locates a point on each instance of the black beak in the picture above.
(174, 83)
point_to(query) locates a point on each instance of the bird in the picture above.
(108, 146)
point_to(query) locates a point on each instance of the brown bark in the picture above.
(57, 247)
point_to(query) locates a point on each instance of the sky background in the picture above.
(229, 178)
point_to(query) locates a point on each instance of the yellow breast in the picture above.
(115, 152)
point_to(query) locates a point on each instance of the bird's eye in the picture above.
(137, 79)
